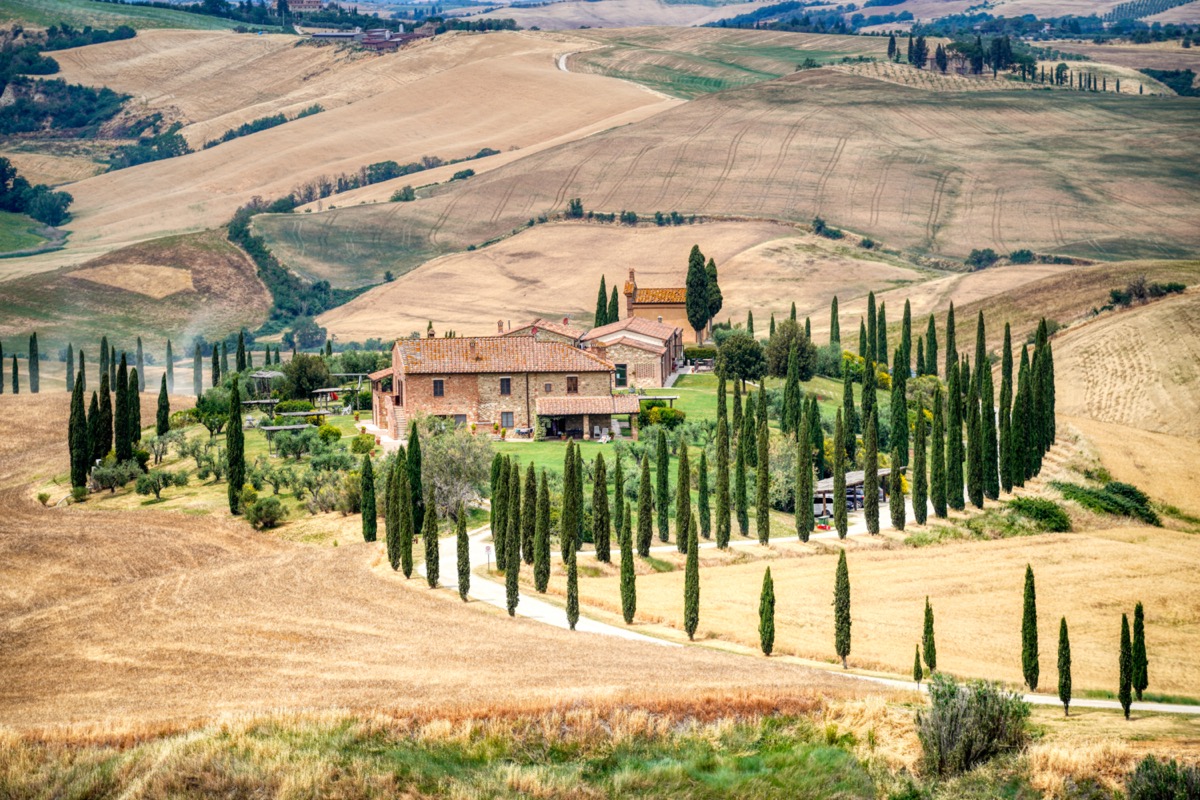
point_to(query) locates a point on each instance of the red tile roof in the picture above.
(495, 354)
(569, 406)
(646, 327)
(545, 324)
(656, 296)
(640, 345)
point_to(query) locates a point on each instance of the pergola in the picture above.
(854, 487)
(325, 397)
(271, 430)
(262, 380)
(574, 416)
(316, 412)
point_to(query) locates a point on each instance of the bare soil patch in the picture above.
(151, 280)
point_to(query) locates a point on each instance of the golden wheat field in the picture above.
(573, 14)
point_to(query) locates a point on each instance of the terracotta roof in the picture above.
(495, 354)
(545, 324)
(629, 287)
(661, 295)
(381, 374)
(628, 342)
(646, 327)
(604, 404)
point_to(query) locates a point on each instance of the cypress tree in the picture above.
(918, 672)
(691, 587)
(103, 363)
(122, 443)
(572, 589)
(1021, 422)
(529, 515)
(748, 438)
(224, 358)
(430, 533)
(369, 514)
(899, 412)
(721, 409)
(871, 475)
(766, 614)
(240, 359)
(662, 496)
(134, 423)
(835, 329)
(614, 307)
(804, 482)
(93, 429)
(35, 365)
(464, 553)
(928, 639)
(863, 350)
(771, 334)
(896, 491)
(541, 537)
(736, 430)
(849, 415)
(404, 515)
(954, 447)
(235, 450)
(881, 343)
(500, 508)
(792, 316)
(77, 437)
(841, 609)
(965, 383)
(951, 345)
(512, 544)
(645, 508)
(112, 364)
(868, 392)
(974, 451)
(1125, 691)
(872, 329)
(762, 486)
(740, 499)
(987, 419)
(103, 441)
(931, 347)
(1005, 412)
(839, 477)
(904, 366)
(1140, 676)
(249, 359)
(497, 466)
(216, 366)
(705, 518)
(391, 510)
(1029, 633)
(683, 498)
(920, 480)
(790, 419)
(170, 367)
(601, 532)
(920, 369)
(162, 420)
(722, 484)
(414, 477)
(1064, 667)
(750, 322)
(808, 329)
(197, 371)
(82, 370)
(937, 458)
(981, 359)
(818, 438)
(70, 367)
(601, 315)
(141, 367)
(628, 578)
(618, 496)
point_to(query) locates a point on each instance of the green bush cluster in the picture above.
(1045, 513)
(1120, 499)
(968, 725)
(693, 353)
(1163, 780)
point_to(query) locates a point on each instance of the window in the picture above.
(572, 384)
(506, 419)
(506, 386)
(460, 419)
(621, 376)
(439, 387)
(548, 388)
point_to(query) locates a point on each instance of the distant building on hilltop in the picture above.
(666, 305)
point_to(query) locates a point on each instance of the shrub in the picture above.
(693, 353)
(968, 725)
(79, 493)
(670, 418)
(362, 443)
(266, 512)
(293, 405)
(154, 482)
(1116, 498)
(1045, 513)
(982, 259)
(1163, 780)
(43, 497)
(1022, 256)
(463, 174)
(867, 243)
(328, 434)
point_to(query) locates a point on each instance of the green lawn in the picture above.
(19, 232)
(105, 15)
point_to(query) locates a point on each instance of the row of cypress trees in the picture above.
(33, 367)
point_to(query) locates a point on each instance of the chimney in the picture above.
(601, 349)
(660, 320)
(500, 327)
(429, 333)
(631, 275)
(510, 324)
(566, 321)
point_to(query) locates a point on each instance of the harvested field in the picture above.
(1160, 55)
(177, 286)
(51, 168)
(43, 13)
(1187, 13)
(823, 143)
(573, 14)
(194, 617)
(761, 264)
(976, 592)
(1139, 367)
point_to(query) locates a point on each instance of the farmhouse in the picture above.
(643, 352)
(545, 331)
(514, 382)
(666, 305)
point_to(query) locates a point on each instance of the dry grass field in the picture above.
(573, 14)
(826, 143)
(1158, 55)
(1186, 13)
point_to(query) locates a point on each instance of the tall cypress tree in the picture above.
(240, 359)
(500, 506)
(430, 534)
(703, 500)
(541, 537)
(1140, 676)
(618, 495)
(954, 445)
(839, 477)
(736, 429)
(70, 367)
(235, 450)
(122, 443)
(404, 515)
(722, 484)
(134, 423)
(987, 419)
(572, 589)
(804, 482)
(881, 342)
(871, 353)
(691, 587)
(600, 521)
(628, 576)
(494, 506)
(974, 450)
(614, 307)
(841, 609)
(920, 479)
(529, 515)
(748, 439)
(369, 515)
(1064, 667)
(871, 475)
(645, 508)
(771, 335)
(818, 438)
(216, 366)
(162, 420)
(790, 419)
(951, 345)
(1029, 633)
(981, 359)
(1004, 456)
(740, 499)
(77, 437)
(94, 431)
(766, 614)
(464, 552)
(103, 362)
(762, 485)
(662, 488)
(918, 672)
(601, 315)
(224, 358)
(568, 520)
(904, 366)
(141, 366)
(931, 347)
(197, 371)
(1125, 663)
(414, 477)
(849, 415)
(899, 413)
(864, 349)
(896, 491)
(82, 377)
(1019, 445)
(35, 365)
(920, 367)
(937, 458)
(835, 328)
(512, 543)
(391, 511)
(928, 641)
(170, 367)
(683, 498)
(750, 322)
(868, 392)
(104, 441)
